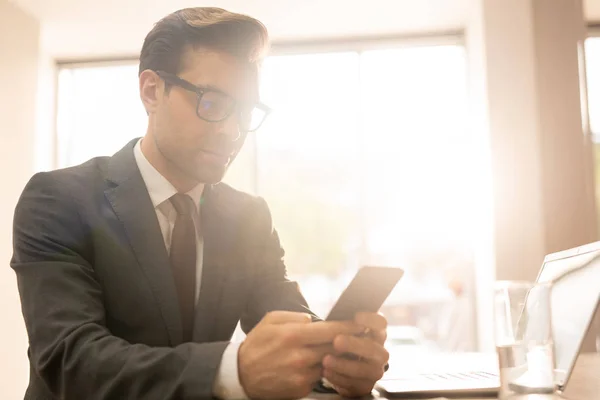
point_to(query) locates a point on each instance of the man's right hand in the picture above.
(281, 357)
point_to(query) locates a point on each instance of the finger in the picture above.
(309, 356)
(366, 348)
(321, 350)
(285, 317)
(378, 336)
(325, 331)
(302, 380)
(348, 387)
(354, 369)
(371, 321)
(316, 373)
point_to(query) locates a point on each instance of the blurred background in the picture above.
(456, 139)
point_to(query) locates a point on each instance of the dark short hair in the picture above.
(214, 28)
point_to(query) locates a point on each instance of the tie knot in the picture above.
(183, 203)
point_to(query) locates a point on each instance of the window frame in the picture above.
(593, 32)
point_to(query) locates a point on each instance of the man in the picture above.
(135, 269)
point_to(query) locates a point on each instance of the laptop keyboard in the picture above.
(440, 383)
(476, 376)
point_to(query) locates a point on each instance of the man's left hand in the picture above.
(356, 376)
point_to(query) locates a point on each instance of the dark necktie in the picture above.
(183, 260)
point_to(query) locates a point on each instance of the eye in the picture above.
(207, 105)
(214, 106)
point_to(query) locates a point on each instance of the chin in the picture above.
(209, 175)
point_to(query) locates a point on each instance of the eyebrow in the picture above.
(209, 87)
(219, 90)
(214, 88)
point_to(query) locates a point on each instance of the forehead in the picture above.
(206, 67)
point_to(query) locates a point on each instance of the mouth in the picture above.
(216, 156)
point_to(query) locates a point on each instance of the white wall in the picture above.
(44, 154)
(19, 41)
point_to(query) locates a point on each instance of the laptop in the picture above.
(573, 271)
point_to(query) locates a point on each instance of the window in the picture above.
(366, 159)
(99, 110)
(314, 157)
(592, 56)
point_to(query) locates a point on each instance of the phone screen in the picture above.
(367, 292)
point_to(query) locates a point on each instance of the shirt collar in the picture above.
(159, 188)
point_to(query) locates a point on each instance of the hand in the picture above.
(356, 376)
(281, 357)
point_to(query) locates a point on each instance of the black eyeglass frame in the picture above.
(200, 91)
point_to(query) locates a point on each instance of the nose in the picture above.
(230, 127)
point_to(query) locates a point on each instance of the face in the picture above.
(193, 149)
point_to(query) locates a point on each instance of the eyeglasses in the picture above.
(215, 106)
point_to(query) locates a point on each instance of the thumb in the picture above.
(286, 317)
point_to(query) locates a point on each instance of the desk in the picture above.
(585, 382)
(583, 385)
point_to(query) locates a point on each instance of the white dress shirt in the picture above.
(227, 385)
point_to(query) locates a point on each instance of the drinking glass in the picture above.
(523, 336)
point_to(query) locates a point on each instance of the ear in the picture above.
(151, 90)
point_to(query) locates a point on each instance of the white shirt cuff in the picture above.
(227, 384)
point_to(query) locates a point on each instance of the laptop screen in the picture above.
(574, 297)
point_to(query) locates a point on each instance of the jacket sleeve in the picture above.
(71, 350)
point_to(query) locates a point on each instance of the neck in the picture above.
(166, 168)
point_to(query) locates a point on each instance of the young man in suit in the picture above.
(134, 270)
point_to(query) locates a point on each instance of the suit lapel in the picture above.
(219, 235)
(129, 198)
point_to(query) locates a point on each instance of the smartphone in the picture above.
(367, 291)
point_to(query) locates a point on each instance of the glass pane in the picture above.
(419, 167)
(592, 55)
(307, 166)
(99, 111)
